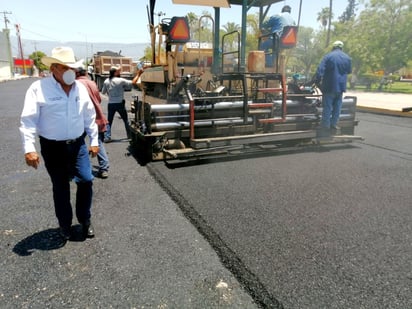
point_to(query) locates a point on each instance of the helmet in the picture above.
(338, 44)
(286, 8)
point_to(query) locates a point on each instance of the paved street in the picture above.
(146, 254)
(326, 228)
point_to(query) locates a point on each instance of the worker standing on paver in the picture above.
(331, 76)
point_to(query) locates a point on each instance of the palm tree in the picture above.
(325, 18)
(206, 27)
(193, 24)
(228, 28)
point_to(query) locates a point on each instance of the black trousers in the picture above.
(66, 161)
(112, 108)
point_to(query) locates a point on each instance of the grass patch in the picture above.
(395, 87)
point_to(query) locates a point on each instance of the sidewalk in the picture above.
(383, 103)
(5, 79)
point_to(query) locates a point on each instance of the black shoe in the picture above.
(65, 232)
(87, 230)
(103, 174)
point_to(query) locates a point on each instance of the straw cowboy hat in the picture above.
(62, 55)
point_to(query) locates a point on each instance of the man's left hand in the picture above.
(93, 150)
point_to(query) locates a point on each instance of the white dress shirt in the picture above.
(49, 112)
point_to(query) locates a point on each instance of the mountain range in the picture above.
(82, 50)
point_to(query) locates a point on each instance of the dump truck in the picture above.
(222, 103)
(103, 61)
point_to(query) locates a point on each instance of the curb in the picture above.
(382, 111)
(14, 78)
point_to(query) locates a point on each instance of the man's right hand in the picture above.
(32, 159)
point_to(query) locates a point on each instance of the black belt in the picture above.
(67, 141)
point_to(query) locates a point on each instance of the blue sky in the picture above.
(123, 21)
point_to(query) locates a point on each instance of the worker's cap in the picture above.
(286, 8)
(81, 69)
(62, 55)
(338, 44)
(114, 68)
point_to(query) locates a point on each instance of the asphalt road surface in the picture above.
(322, 228)
(319, 228)
(146, 254)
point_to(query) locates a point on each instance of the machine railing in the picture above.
(231, 58)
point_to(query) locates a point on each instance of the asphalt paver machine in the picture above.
(199, 102)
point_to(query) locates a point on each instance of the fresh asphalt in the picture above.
(146, 254)
(322, 227)
(327, 229)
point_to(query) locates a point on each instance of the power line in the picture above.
(6, 21)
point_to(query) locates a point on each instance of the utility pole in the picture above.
(87, 53)
(5, 18)
(329, 23)
(36, 68)
(7, 33)
(20, 47)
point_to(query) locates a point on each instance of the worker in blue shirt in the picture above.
(274, 25)
(331, 76)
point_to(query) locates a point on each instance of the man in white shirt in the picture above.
(59, 110)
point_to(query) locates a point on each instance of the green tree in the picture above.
(354, 44)
(205, 28)
(193, 23)
(307, 53)
(382, 34)
(147, 54)
(231, 40)
(253, 32)
(36, 57)
(349, 13)
(323, 17)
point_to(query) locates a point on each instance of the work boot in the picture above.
(87, 229)
(334, 130)
(323, 132)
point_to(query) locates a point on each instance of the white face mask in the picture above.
(69, 77)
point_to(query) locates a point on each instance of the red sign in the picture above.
(27, 62)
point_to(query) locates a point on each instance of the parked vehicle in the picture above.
(103, 61)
